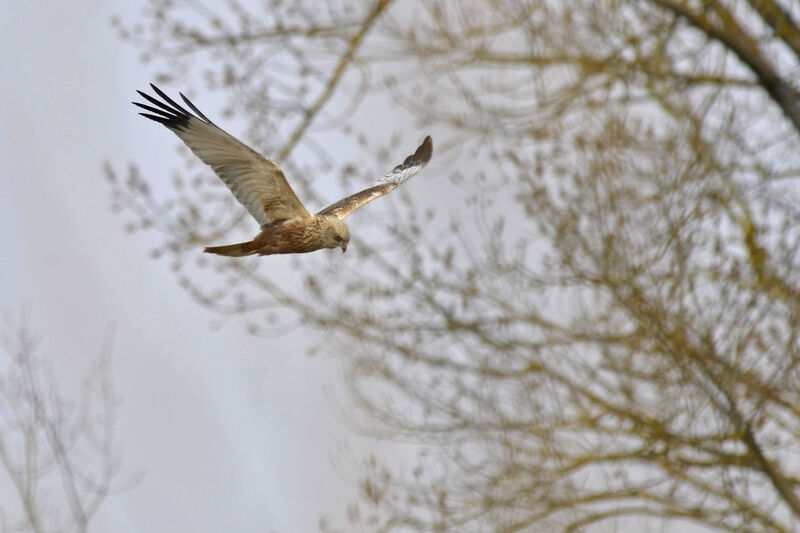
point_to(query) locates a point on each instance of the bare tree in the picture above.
(59, 456)
(606, 328)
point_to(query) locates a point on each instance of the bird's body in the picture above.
(297, 236)
(286, 225)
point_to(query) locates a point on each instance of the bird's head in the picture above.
(336, 233)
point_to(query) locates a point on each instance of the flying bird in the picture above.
(260, 186)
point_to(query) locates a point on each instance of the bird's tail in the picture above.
(233, 250)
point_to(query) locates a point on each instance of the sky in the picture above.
(229, 432)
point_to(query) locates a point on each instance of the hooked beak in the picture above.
(343, 246)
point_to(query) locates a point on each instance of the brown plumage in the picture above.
(257, 183)
(291, 237)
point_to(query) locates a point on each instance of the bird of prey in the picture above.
(258, 184)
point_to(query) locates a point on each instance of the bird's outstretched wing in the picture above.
(255, 181)
(413, 164)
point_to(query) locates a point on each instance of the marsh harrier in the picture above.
(259, 185)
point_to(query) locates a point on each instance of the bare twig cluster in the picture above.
(60, 456)
(604, 327)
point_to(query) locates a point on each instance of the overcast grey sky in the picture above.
(233, 433)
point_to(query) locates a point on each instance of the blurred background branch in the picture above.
(586, 312)
(60, 455)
